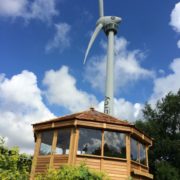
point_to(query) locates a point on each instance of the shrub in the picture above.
(68, 172)
(13, 165)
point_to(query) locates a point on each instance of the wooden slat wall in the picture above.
(143, 169)
(116, 170)
(134, 166)
(92, 163)
(42, 164)
(60, 160)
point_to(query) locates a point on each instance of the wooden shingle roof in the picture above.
(89, 115)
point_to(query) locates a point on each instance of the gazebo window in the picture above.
(89, 141)
(134, 150)
(138, 152)
(142, 154)
(46, 142)
(63, 141)
(114, 144)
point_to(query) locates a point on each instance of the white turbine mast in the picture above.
(110, 26)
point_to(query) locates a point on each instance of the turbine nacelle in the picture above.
(105, 20)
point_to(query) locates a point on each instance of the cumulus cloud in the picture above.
(12, 7)
(61, 38)
(127, 67)
(175, 18)
(43, 10)
(178, 44)
(21, 105)
(168, 83)
(62, 90)
(124, 109)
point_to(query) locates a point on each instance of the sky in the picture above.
(42, 47)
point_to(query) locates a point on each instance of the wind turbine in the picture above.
(110, 26)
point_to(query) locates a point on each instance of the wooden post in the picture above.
(36, 152)
(75, 145)
(128, 154)
(147, 159)
(102, 150)
(71, 148)
(139, 155)
(53, 148)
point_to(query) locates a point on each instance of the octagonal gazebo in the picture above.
(103, 142)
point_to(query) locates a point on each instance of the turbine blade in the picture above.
(96, 32)
(101, 8)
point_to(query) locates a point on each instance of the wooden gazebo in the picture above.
(101, 141)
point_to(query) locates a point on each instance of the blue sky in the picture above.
(42, 46)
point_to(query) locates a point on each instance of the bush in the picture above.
(68, 172)
(13, 165)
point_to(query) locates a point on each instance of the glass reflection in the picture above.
(114, 144)
(63, 141)
(89, 141)
(134, 150)
(46, 142)
(142, 154)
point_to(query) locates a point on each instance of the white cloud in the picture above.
(62, 90)
(61, 38)
(38, 9)
(175, 18)
(21, 105)
(178, 44)
(127, 67)
(168, 83)
(12, 7)
(124, 110)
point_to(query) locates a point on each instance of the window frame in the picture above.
(51, 148)
(139, 143)
(102, 144)
(56, 143)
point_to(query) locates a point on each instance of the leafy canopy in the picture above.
(163, 124)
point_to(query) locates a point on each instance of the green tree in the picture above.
(13, 165)
(162, 123)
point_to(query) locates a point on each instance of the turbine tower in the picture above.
(110, 26)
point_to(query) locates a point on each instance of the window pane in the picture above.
(46, 142)
(134, 150)
(142, 154)
(63, 141)
(89, 141)
(114, 144)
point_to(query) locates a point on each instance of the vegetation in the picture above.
(163, 124)
(66, 172)
(13, 165)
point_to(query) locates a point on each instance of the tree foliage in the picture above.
(13, 165)
(162, 123)
(66, 172)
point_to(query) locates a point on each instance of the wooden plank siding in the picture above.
(60, 160)
(92, 163)
(42, 164)
(115, 169)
